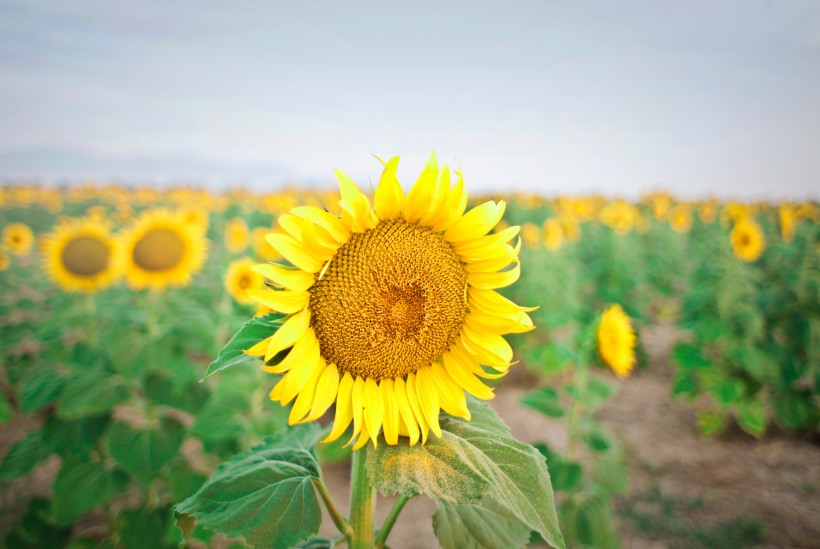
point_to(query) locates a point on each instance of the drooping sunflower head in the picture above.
(160, 250)
(747, 240)
(80, 255)
(236, 235)
(553, 234)
(393, 312)
(18, 238)
(242, 277)
(616, 341)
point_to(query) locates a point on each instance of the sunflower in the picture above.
(707, 211)
(242, 277)
(160, 249)
(747, 239)
(80, 255)
(18, 238)
(680, 218)
(392, 309)
(530, 235)
(616, 341)
(788, 222)
(261, 248)
(553, 234)
(5, 261)
(236, 235)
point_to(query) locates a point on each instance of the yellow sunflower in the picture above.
(680, 218)
(261, 248)
(788, 222)
(616, 341)
(80, 255)
(392, 309)
(707, 211)
(160, 249)
(236, 235)
(5, 261)
(553, 234)
(242, 277)
(18, 238)
(530, 235)
(747, 240)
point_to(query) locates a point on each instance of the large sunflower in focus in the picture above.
(79, 256)
(160, 249)
(747, 240)
(616, 341)
(393, 312)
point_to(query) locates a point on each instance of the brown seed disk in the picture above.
(85, 256)
(390, 301)
(159, 250)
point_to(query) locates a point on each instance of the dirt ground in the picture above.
(684, 490)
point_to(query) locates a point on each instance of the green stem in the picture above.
(337, 517)
(362, 503)
(381, 538)
(588, 346)
(91, 312)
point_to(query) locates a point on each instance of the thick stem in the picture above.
(362, 503)
(337, 517)
(390, 521)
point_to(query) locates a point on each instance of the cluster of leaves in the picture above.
(755, 332)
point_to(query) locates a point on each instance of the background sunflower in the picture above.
(80, 256)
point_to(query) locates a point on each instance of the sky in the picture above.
(551, 96)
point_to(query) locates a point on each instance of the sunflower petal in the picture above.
(480, 248)
(407, 415)
(305, 398)
(413, 400)
(389, 197)
(391, 412)
(419, 198)
(459, 370)
(326, 390)
(283, 301)
(491, 281)
(294, 251)
(285, 277)
(428, 399)
(357, 402)
(477, 222)
(332, 224)
(453, 399)
(454, 206)
(344, 408)
(373, 409)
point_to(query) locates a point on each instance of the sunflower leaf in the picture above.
(143, 452)
(471, 460)
(265, 495)
(487, 525)
(251, 333)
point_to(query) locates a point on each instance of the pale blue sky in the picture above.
(555, 96)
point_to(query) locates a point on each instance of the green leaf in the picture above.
(183, 481)
(76, 437)
(40, 389)
(35, 530)
(265, 495)
(727, 391)
(688, 357)
(751, 416)
(483, 526)
(544, 400)
(24, 456)
(90, 393)
(710, 423)
(144, 527)
(566, 475)
(472, 459)
(143, 452)
(6, 412)
(82, 485)
(595, 436)
(254, 331)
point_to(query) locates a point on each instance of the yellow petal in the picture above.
(466, 361)
(285, 277)
(332, 224)
(348, 188)
(480, 321)
(492, 302)
(428, 399)
(373, 409)
(283, 301)
(391, 412)
(295, 252)
(291, 224)
(344, 408)
(357, 402)
(320, 247)
(495, 349)
(326, 390)
(491, 281)
(307, 345)
(477, 222)
(494, 264)
(439, 198)
(260, 348)
(407, 415)
(452, 397)
(288, 333)
(454, 206)
(306, 396)
(389, 196)
(459, 370)
(480, 248)
(362, 439)
(419, 198)
(296, 379)
(413, 400)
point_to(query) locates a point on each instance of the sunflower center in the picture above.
(745, 240)
(390, 301)
(159, 250)
(244, 281)
(85, 256)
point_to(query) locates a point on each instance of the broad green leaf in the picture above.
(684, 383)
(76, 437)
(688, 357)
(190, 398)
(472, 460)
(751, 416)
(6, 412)
(143, 452)
(40, 389)
(144, 527)
(727, 391)
(478, 526)
(183, 481)
(254, 331)
(265, 495)
(544, 400)
(83, 485)
(595, 435)
(35, 530)
(24, 456)
(90, 393)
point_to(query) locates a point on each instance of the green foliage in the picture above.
(144, 452)
(254, 331)
(81, 486)
(483, 526)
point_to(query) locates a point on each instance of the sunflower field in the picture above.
(161, 348)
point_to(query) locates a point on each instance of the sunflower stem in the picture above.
(381, 538)
(580, 384)
(362, 503)
(91, 311)
(337, 517)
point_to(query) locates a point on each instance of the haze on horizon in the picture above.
(557, 96)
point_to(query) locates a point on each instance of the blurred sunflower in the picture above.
(242, 277)
(553, 234)
(18, 238)
(79, 255)
(198, 217)
(159, 249)
(788, 222)
(616, 341)
(261, 249)
(393, 309)
(747, 239)
(236, 235)
(5, 261)
(680, 218)
(707, 211)
(530, 235)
